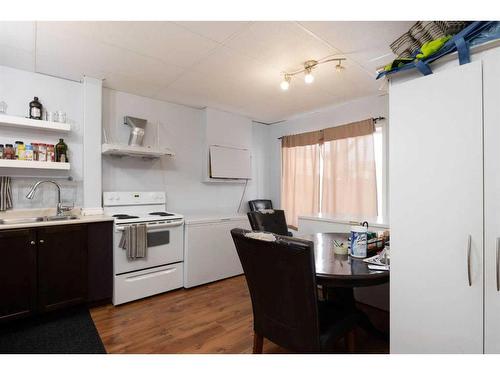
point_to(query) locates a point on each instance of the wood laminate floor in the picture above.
(213, 318)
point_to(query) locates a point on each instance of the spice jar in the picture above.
(42, 152)
(28, 153)
(16, 145)
(21, 151)
(35, 150)
(8, 152)
(51, 154)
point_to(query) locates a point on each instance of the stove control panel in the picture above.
(132, 198)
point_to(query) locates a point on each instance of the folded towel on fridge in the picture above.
(134, 241)
(5, 194)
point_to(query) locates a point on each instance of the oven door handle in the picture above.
(156, 226)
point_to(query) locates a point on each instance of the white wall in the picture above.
(17, 89)
(227, 129)
(183, 130)
(355, 110)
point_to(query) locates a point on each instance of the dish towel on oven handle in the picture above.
(135, 241)
(5, 194)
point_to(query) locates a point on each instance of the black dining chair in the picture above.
(274, 222)
(260, 204)
(281, 278)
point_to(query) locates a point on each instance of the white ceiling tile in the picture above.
(133, 85)
(366, 42)
(218, 31)
(17, 34)
(283, 45)
(72, 56)
(165, 41)
(229, 65)
(17, 44)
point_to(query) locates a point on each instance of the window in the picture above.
(345, 169)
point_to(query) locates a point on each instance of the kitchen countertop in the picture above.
(374, 221)
(207, 217)
(48, 212)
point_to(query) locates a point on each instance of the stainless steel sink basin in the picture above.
(37, 219)
(56, 218)
(22, 220)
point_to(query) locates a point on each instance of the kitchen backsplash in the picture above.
(46, 195)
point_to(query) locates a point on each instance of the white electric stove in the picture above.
(162, 268)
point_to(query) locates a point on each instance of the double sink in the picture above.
(36, 219)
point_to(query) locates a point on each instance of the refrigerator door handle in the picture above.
(469, 240)
(498, 264)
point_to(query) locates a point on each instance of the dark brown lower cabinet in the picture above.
(62, 266)
(53, 267)
(18, 282)
(100, 262)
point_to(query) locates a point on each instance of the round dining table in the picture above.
(335, 270)
(338, 275)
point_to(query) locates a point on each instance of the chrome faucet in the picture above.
(60, 207)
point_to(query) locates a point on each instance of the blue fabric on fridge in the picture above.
(463, 51)
(423, 68)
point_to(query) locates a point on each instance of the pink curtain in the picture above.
(349, 181)
(300, 181)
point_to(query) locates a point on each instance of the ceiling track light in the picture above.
(309, 65)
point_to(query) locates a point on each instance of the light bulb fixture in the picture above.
(339, 68)
(285, 84)
(309, 65)
(309, 78)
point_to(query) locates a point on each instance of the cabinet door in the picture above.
(62, 266)
(491, 82)
(436, 208)
(17, 273)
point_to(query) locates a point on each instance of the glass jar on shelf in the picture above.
(9, 152)
(28, 153)
(51, 154)
(42, 152)
(35, 151)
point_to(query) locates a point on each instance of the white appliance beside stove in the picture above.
(162, 268)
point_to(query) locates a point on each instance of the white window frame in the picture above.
(384, 206)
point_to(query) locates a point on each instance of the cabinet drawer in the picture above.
(135, 285)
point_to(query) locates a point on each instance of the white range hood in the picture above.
(147, 152)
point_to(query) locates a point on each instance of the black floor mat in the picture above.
(68, 332)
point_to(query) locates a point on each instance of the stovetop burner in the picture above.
(125, 216)
(161, 214)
